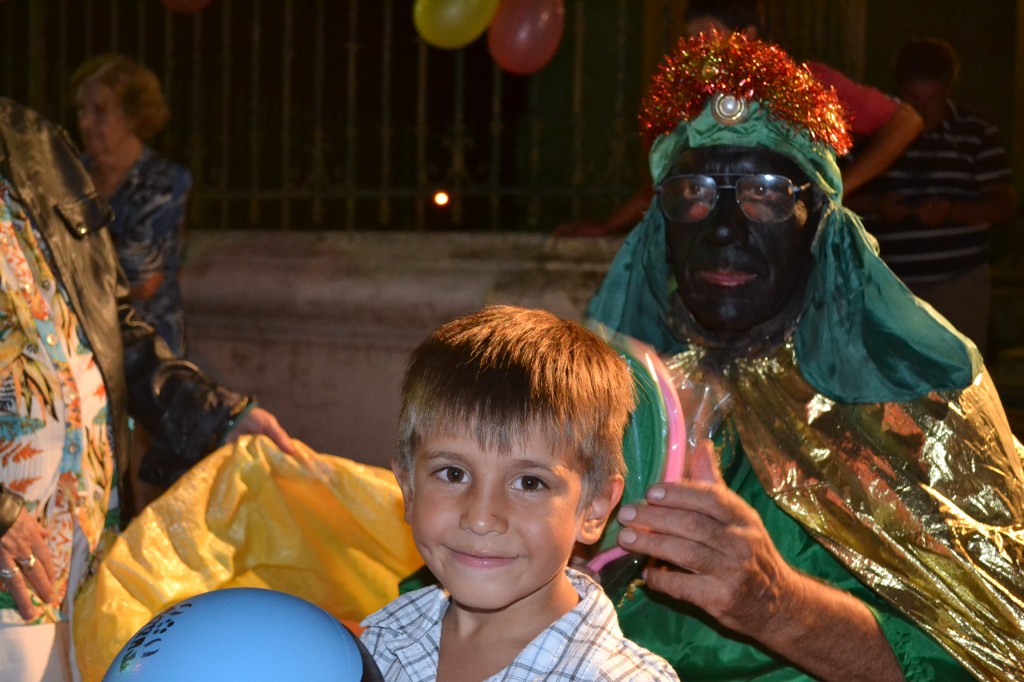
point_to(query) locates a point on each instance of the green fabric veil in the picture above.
(863, 337)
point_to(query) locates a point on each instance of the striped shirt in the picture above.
(959, 160)
(583, 645)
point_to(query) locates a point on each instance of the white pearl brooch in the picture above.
(729, 109)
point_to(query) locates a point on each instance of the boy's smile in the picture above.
(497, 529)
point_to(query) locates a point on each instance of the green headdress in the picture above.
(862, 336)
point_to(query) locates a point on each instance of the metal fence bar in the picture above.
(88, 27)
(287, 64)
(533, 168)
(115, 14)
(318, 169)
(351, 126)
(143, 9)
(579, 173)
(64, 69)
(169, 65)
(37, 52)
(255, 110)
(457, 170)
(497, 128)
(386, 132)
(196, 104)
(616, 168)
(420, 133)
(226, 81)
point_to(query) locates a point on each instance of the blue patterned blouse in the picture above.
(149, 233)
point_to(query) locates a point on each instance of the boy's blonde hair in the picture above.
(500, 372)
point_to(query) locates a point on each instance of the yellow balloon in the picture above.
(451, 24)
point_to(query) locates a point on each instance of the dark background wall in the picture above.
(332, 114)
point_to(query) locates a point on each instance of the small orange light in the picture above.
(441, 198)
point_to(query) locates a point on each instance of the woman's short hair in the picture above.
(136, 87)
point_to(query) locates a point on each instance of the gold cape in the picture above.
(922, 500)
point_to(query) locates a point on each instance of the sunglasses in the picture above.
(763, 198)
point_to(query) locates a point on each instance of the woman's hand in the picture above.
(260, 422)
(25, 557)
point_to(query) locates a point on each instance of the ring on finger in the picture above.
(28, 562)
(8, 573)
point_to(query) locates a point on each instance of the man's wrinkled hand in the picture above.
(714, 549)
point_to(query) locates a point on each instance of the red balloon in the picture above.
(185, 5)
(524, 34)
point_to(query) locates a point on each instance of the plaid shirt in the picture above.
(583, 645)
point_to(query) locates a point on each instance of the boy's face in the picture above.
(497, 530)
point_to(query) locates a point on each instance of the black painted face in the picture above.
(737, 276)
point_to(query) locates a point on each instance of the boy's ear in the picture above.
(405, 483)
(596, 513)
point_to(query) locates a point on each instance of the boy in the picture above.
(509, 452)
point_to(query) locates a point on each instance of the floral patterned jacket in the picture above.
(186, 412)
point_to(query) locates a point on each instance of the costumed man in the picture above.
(866, 518)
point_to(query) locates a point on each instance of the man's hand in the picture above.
(260, 422)
(719, 556)
(25, 539)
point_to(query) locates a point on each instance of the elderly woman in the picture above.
(120, 106)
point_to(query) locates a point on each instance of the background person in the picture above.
(121, 105)
(933, 210)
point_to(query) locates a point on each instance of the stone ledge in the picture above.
(372, 285)
(319, 326)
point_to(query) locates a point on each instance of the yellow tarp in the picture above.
(250, 516)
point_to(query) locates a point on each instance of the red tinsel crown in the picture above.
(750, 69)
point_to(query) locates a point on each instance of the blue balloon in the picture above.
(243, 634)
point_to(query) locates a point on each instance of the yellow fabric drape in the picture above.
(249, 515)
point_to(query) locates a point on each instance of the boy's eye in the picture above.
(451, 474)
(530, 484)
